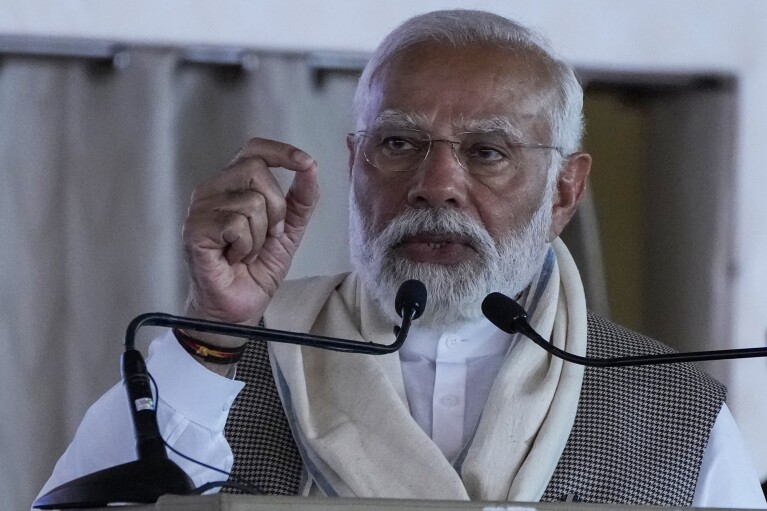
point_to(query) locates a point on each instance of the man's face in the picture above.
(446, 91)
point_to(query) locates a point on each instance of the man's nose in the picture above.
(439, 180)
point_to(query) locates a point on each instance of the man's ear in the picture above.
(352, 151)
(571, 184)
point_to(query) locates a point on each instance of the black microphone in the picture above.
(511, 317)
(153, 474)
(411, 296)
(409, 304)
(149, 444)
(504, 312)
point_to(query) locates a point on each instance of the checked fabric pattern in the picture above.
(639, 432)
(265, 453)
(638, 437)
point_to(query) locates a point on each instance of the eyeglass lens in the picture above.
(402, 150)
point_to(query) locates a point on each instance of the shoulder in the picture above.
(608, 339)
(312, 281)
(639, 432)
(307, 288)
(304, 284)
(297, 302)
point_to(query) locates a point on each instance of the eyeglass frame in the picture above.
(453, 144)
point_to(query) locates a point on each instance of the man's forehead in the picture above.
(473, 88)
(397, 118)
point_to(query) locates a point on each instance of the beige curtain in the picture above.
(96, 167)
(97, 164)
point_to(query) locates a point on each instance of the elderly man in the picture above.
(465, 167)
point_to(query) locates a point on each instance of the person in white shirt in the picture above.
(465, 167)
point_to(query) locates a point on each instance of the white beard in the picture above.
(455, 292)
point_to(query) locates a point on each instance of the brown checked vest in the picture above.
(638, 437)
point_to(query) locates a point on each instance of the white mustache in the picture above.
(443, 221)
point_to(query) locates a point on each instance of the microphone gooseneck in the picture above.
(511, 318)
(153, 474)
(253, 333)
(410, 302)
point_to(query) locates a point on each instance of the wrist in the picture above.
(218, 340)
(207, 352)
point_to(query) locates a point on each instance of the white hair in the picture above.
(465, 28)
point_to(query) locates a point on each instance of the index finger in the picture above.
(276, 154)
(249, 169)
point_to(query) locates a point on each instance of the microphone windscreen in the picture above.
(411, 295)
(503, 312)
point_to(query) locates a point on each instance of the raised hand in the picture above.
(241, 233)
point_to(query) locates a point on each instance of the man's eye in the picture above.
(398, 145)
(486, 154)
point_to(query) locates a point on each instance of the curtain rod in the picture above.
(321, 63)
(117, 53)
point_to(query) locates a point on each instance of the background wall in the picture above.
(718, 36)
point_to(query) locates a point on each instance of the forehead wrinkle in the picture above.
(493, 124)
(394, 118)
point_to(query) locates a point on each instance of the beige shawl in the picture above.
(349, 412)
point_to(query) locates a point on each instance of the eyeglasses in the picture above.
(479, 153)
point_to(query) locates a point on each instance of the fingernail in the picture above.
(301, 157)
(278, 229)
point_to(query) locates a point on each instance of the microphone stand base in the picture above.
(137, 482)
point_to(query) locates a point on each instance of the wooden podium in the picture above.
(228, 502)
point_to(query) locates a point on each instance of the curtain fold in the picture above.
(96, 168)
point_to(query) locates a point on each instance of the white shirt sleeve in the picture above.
(192, 409)
(727, 477)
